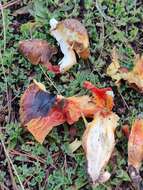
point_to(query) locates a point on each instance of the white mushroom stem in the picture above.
(53, 23)
(69, 58)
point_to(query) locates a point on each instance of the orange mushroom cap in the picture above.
(103, 97)
(40, 111)
(135, 144)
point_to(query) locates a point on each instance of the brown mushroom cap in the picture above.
(76, 35)
(37, 51)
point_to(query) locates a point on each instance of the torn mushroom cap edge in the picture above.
(75, 28)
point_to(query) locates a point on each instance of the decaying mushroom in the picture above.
(134, 77)
(103, 97)
(39, 52)
(41, 111)
(38, 111)
(71, 36)
(98, 140)
(98, 143)
(135, 152)
(135, 144)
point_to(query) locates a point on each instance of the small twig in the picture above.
(84, 119)
(27, 180)
(102, 40)
(5, 106)
(9, 105)
(123, 100)
(4, 26)
(55, 155)
(15, 152)
(9, 4)
(99, 8)
(13, 167)
(46, 177)
(65, 162)
(12, 177)
(3, 187)
(50, 80)
(1, 57)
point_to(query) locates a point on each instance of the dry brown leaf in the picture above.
(114, 67)
(134, 77)
(98, 142)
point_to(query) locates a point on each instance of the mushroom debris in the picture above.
(133, 77)
(39, 52)
(135, 144)
(71, 36)
(135, 151)
(98, 139)
(40, 110)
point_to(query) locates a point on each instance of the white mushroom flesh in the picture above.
(98, 142)
(69, 58)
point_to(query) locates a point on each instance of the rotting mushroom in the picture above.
(98, 142)
(71, 36)
(40, 111)
(98, 139)
(135, 152)
(135, 144)
(38, 51)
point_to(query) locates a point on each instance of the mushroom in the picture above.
(41, 111)
(71, 36)
(135, 152)
(98, 142)
(39, 52)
